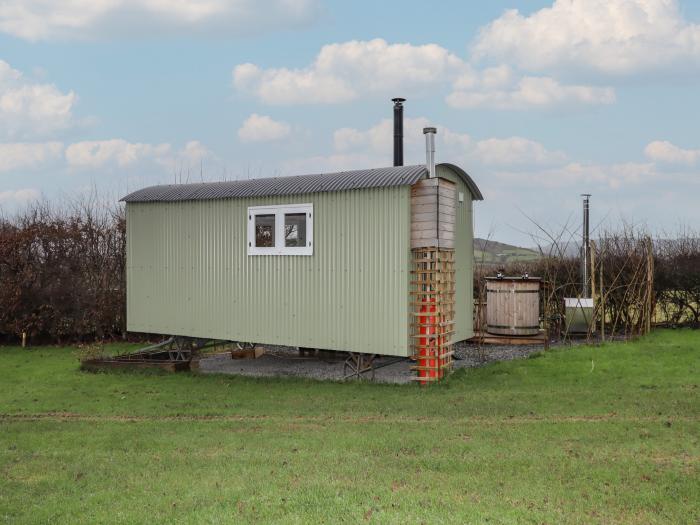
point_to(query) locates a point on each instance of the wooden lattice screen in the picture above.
(433, 304)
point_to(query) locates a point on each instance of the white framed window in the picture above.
(287, 229)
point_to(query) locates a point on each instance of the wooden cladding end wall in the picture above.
(433, 211)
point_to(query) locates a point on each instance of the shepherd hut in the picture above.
(373, 261)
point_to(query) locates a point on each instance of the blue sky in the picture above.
(539, 101)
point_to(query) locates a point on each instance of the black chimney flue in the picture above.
(398, 130)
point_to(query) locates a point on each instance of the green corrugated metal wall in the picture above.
(464, 258)
(188, 272)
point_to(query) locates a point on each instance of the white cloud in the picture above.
(499, 88)
(188, 159)
(28, 108)
(261, 128)
(609, 36)
(515, 151)
(664, 151)
(24, 155)
(97, 153)
(121, 154)
(18, 197)
(357, 149)
(345, 71)
(579, 175)
(451, 145)
(378, 138)
(194, 151)
(86, 19)
(331, 163)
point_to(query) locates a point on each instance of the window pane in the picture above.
(295, 229)
(265, 231)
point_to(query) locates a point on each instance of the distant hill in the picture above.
(488, 251)
(491, 252)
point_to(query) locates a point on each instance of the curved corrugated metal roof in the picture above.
(275, 186)
(476, 192)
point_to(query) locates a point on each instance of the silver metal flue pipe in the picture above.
(585, 244)
(430, 150)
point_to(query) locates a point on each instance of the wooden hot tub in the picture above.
(513, 305)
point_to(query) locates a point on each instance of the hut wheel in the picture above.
(180, 349)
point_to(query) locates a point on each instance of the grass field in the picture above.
(603, 434)
(506, 256)
(488, 251)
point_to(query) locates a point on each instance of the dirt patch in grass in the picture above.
(305, 420)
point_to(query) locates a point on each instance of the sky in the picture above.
(539, 101)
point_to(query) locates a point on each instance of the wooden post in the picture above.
(591, 250)
(650, 283)
(601, 292)
(24, 339)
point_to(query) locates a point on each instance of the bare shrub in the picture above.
(621, 264)
(677, 279)
(63, 272)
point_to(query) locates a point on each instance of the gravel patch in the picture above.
(283, 361)
(279, 361)
(470, 356)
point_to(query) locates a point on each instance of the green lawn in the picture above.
(585, 435)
